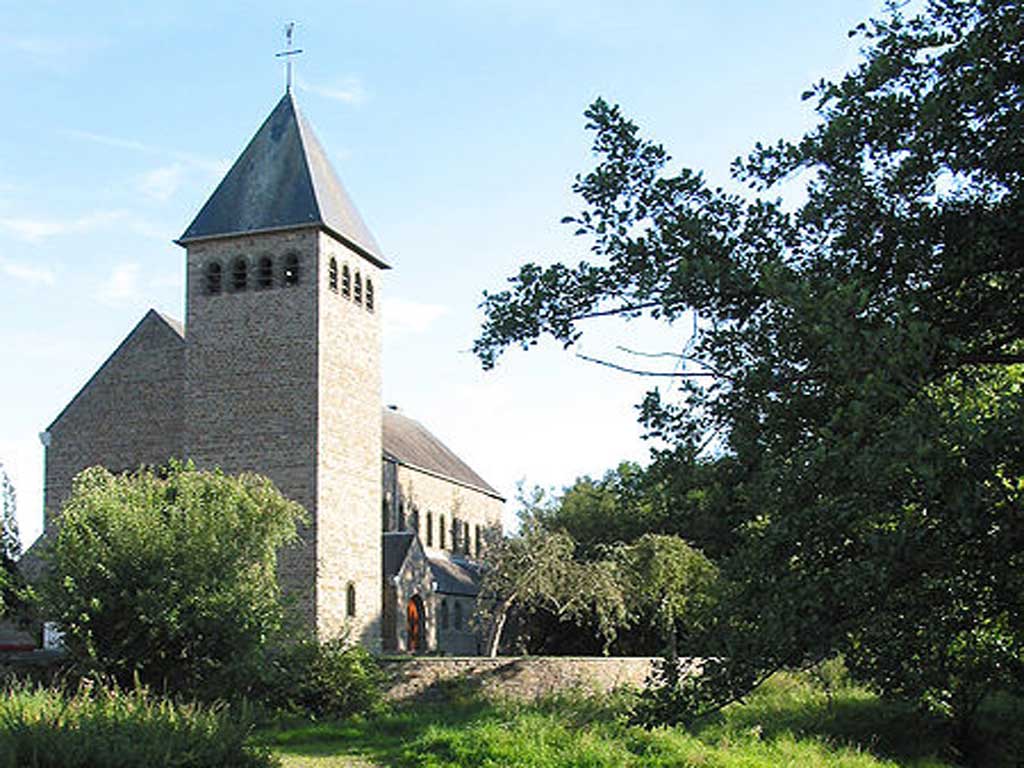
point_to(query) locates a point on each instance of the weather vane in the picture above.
(287, 53)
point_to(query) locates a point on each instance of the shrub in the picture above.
(41, 728)
(334, 679)
(169, 576)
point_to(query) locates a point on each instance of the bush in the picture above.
(334, 679)
(41, 728)
(169, 576)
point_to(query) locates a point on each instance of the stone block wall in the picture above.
(517, 677)
(434, 503)
(129, 413)
(349, 494)
(251, 378)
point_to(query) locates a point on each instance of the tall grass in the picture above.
(100, 726)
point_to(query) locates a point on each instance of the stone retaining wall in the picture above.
(519, 677)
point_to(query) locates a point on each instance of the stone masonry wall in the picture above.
(129, 413)
(428, 498)
(349, 494)
(251, 379)
(518, 677)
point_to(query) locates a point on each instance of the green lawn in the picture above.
(789, 722)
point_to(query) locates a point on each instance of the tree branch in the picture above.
(638, 372)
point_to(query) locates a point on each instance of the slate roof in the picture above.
(454, 576)
(283, 180)
(396, 547)
(408, 442)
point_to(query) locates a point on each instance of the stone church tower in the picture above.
(282, 360)
(277, 370)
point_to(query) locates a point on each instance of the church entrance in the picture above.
(414, 625)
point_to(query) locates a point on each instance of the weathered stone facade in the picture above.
(130, 412)
(518, 677)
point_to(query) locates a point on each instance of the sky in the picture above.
(457, 128)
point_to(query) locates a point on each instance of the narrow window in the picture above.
(369, 294)
(265, 273)
(458, 615)
(430, 529)
(465, 538)
(444, 614)
(213, 281)
(346, 281)
(291, 270)
(455, 535)
(332, 275)
(357, 292)
(350, 600)
(239, 275)
(476, 531)
(440, 531)
(414, 521)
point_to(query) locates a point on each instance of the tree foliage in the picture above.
(859, 356)
(12, 588)
(169, 576)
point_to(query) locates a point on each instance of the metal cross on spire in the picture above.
(287, 53)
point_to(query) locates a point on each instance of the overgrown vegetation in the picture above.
(857, 364)
(106, 726)
(169, 577)
(792, 720)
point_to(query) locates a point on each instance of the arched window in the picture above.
(239, 275)
(346, 281)
(213, 278)
(332, 275)
(350, 600)
(430, 529)
(465, 538)
(455, 535)
(444, 614)
(369, 294)
(291, 270)
(265, 273)
(476, 532)
(458, 615)
(357, 290)
(440, 531)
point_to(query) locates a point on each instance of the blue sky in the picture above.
(456, 127)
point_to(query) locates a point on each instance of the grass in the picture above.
(105, 726)
(790, 721)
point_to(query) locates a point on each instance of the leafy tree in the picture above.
(858, 360)
(666, 578)
(170, 576)
(536, 569)
(12, 590)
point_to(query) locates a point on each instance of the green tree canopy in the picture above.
(170, 575)
(12, 595)
(859, 350)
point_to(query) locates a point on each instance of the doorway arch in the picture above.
(414, 625)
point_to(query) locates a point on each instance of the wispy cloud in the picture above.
(403, 317)
(36, 228)
(348, 90)
(26, 273)
(206, 164)
(161, 183)
(60, 52)
(122, 286)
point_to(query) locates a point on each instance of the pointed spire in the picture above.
(283, 180)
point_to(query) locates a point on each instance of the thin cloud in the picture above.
(26, 273)
(403, 317)
(161, 183)
(35, 228)
(348, 90)
(206, 164)
(122, 286)
(57, 53)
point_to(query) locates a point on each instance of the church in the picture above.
(277, 370)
